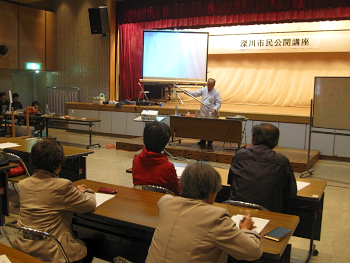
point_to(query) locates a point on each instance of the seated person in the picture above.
(37, 123)
(4, 104)
(15, 103)
(258, 174)
(36, 105)
(151, 166)
(47, 203)
(191, 229)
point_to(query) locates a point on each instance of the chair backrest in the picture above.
(159, 189)
(19, 159)
(11, 232)
(120, 260)
(245, 204)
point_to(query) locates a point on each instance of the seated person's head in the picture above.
(3, 96)
(201, 181)
(47, 155)
(35, 104)
(156, 135)
(15, 96)
(266, 134)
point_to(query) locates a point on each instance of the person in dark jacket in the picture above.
(258, 174)
(15, 103)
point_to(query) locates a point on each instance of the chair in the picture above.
(10, 230)
(159, 189)
(120, 260)
(17, 174)
(245, 204)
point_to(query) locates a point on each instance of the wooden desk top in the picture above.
(137, 207)
(26, 147)
(312, 192)
(8, 167)
(208, 118)
(52, 118)
(16, 256)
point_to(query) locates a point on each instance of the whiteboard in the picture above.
(332, 103)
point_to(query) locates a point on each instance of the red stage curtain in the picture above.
(136, 16)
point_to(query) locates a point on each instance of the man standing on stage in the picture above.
(211, 97)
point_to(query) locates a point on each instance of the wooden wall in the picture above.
(9, 34)
(29, 35)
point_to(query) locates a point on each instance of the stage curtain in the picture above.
(279, 79)
(235, 11)
(135, 16)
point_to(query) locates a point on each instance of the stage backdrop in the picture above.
(280, 79)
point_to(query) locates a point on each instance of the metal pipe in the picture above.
(185, 91)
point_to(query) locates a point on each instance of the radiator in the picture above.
(56, 98)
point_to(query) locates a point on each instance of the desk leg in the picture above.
(82, 167)
(90, 137)
(312, 248)
(4, 197)
(47, 128)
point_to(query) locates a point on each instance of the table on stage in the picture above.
(16, 256)
(74, 167)
(127, 222)
(210, 129)
(308, 205)
(4, 194)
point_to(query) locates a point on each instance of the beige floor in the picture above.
(109, 165)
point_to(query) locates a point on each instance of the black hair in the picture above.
(14, 95)
(2, 94)
(198, 180)
(47, 155)
(156, 135)
(266, 134)
(35, 102)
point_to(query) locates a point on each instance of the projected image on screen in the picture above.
(175, 55)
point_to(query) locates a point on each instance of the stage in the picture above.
(253, 112)
(220, 152)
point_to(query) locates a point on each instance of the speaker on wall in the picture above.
(99, 20)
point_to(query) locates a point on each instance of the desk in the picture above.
(210, 129)
(308, 205)
(4, 193)
(131, 217)
(47, 119)
(74, 167)
(79, 121)
(16, 256)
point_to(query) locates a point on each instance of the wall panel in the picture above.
(9, 34)
(50, 39)
(31, 36)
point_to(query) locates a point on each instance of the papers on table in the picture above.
(260, 223)
(301, 185)
(8, 145)
(179, 171)
(4, 259)
(101, 198)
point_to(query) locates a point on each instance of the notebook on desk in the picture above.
(259, 223)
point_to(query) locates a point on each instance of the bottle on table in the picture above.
(176, 110)
(47, 111)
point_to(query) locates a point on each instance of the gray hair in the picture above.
(198, 180)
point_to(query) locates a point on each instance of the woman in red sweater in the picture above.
(151, 166)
